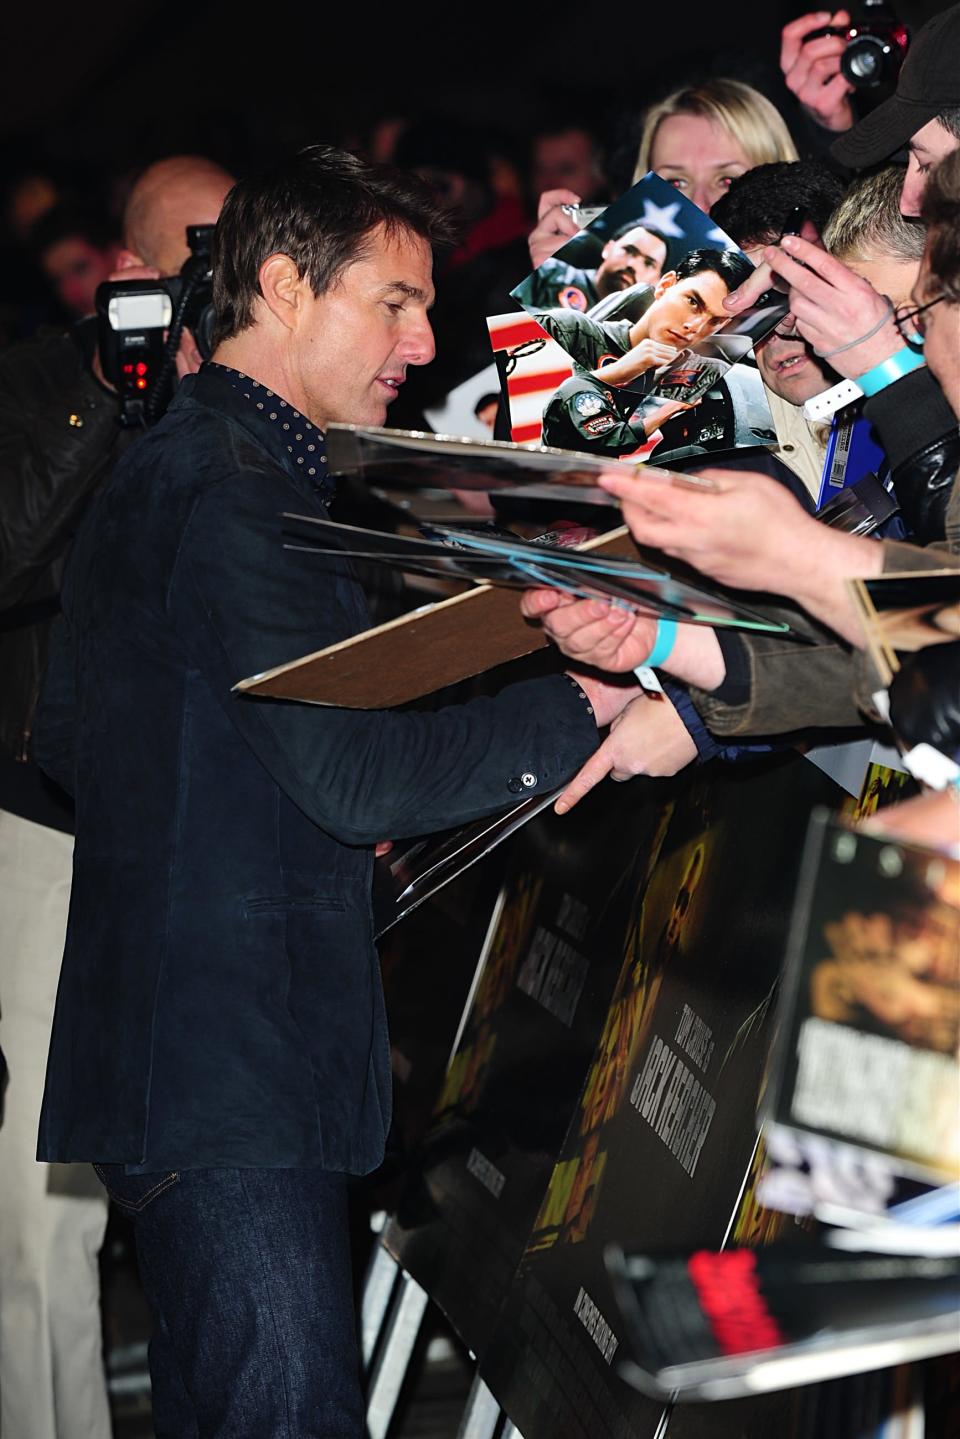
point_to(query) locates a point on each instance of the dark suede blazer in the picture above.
(220, 1000)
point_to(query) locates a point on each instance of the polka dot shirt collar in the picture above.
(305, 443)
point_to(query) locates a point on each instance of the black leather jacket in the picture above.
(773, 687)
(920, 435)
(59, 437)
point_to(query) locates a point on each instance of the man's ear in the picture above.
(664, 283)
(283, 289)
(809, 231)
(129, 260)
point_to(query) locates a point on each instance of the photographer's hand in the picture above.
(811, 69)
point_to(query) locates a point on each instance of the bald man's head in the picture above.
(172, 194)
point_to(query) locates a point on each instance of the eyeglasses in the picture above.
(910, 327)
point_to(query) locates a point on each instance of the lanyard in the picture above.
(852, 452)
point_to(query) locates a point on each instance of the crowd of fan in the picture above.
(873, 282)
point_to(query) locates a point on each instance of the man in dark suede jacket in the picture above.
(219, 1048)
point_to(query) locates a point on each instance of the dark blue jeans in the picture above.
(247, 1272)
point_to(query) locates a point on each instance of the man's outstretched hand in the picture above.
(648, 737)
(592, 632)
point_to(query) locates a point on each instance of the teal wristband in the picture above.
(663, 643)
(900, 363)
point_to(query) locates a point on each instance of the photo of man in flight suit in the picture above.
(605, 406)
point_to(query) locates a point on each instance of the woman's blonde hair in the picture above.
(743, 112)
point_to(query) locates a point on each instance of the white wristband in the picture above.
(822, 406)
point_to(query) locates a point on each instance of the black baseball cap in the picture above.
(929, 83)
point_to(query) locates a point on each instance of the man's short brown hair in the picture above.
(320, 208)
(941, 212)
(868, 225)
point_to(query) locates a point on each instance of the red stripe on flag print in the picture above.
(517, 334)
(545, 380)
(520, 434)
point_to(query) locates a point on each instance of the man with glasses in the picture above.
(848, 323)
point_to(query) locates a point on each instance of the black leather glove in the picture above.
(925, 699)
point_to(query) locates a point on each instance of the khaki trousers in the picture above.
(52, 1216)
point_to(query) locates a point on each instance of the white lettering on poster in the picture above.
(554, 974)
(674, 1103)
(488, 1174)
(596, 1326)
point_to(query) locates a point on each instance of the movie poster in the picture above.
(869, 1032)
(463, 1219)
(633, 355)
(660, 1150)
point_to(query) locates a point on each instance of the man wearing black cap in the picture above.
(923, 114)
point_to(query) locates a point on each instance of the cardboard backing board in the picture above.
(406, 658)
(468, 634)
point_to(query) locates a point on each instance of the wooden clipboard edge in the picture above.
(256, 684)
(885, 658)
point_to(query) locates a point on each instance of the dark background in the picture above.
(97, 83)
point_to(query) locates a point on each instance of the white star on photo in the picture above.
(661, 217)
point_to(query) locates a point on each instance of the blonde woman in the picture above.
(702, 137)
(699, 139)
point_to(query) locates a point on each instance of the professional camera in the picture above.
(875, 48)
(141, 324)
